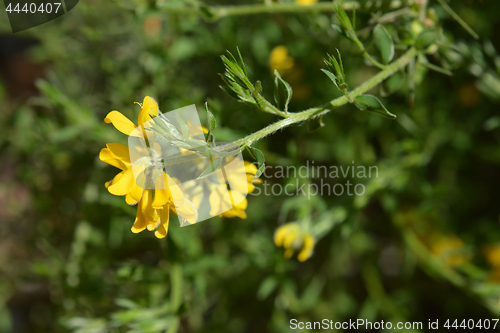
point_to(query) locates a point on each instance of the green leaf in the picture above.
(267, 287)
(279, 82)
(343, 18)
(184, 127)
(425, 39)
(384, 43)
(340, 30)
(258, 87)
(242, 64)
(211, 167)
(314, 124)
(257, 154)
(331, 76)
(230, 92)
(212, 123)
(392, 84)
(371, 103)
(336, 66)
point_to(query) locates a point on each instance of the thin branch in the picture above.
(215, 13)
(293, 118)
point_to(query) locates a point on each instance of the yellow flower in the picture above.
(153, 205)
(155, 199)
(233, 202)
(451, 249)
(293, 238)
(492, 254)
(280, 60)
(291, 72)
(306, 2)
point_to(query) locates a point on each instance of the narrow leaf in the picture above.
(331, 76)
(384, 43)
(279, 82)
(212, 123)
(242, 64)
(211, 167)
(257, 154)
(184, 127)
(425, 39)
(371, 103)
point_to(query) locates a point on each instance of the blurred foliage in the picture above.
(421, 243)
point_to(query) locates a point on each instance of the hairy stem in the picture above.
(293, 118)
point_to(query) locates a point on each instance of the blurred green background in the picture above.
(422, 243)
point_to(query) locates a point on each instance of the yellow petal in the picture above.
(161, 193)
(238, 183)
(124, 184)
(187, 212)
(289, 238)
(129, 200)
(306, 248)
(116, 155)
(161, 198)
(243, 202)
(114, 180)
(149, 107)
(235, 212)
(107, 157)
(140, 222)
(147, 209)
(218, 200)
(134, 196)
(308, 242)
(304, 255)
(136, 193)
(250, 168)
(163, 229)
(120, 122)
(120, 152)
(161, 232)
(279, 234)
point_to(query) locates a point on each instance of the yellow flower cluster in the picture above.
(280, 60)
(451, 249)
(154, 205)
(293, 238)
(492, 254)
(221, 197)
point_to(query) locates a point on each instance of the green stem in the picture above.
(368, 57)
(293, 118)
(176, 294)
(389, 17)
(423, 10)
(458, 19)
(218, 12)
